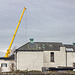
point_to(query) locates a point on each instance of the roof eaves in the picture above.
(28, 50)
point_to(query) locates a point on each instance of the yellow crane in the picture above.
(9, 49)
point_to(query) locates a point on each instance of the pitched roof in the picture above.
(54, 46)
(8, 58)
(70, 46)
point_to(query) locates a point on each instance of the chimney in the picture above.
(31, 40)
(73, 43)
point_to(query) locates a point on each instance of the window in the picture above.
(39, 47)
(43, 46)
(3, 64)
(50, 45)
(52, 56)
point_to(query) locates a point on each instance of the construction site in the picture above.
(38, 56)
(42, 39)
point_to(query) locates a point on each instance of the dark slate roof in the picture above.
(70, 46)
(40, 46)
(8, 58)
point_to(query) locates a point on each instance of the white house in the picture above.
(39, 55)
(6, 64)
(70, 55)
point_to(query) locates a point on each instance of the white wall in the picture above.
(59, 58)
(29, 60)
(36, 60)
(70, 59)
(6, 69)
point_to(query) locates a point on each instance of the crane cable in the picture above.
(26, 25)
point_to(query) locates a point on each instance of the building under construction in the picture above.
(39, 56)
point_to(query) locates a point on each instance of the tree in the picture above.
(11, 66)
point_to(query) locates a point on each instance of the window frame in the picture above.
(3, 64)
(52, 56)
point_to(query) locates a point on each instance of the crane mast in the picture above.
(9, 49)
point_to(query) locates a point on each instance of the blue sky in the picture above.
(44, 20)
